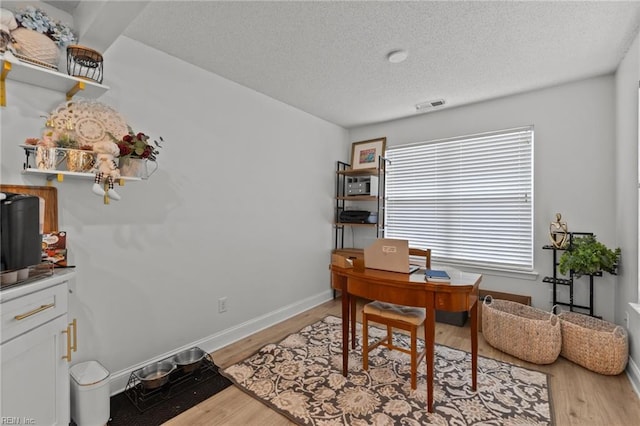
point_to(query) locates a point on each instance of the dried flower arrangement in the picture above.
(136, 145)
(37, 20)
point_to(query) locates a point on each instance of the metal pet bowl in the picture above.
(155, 375)
(190, 359)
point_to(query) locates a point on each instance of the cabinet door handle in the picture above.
(74, 325)
(68, 333)
(34, 311)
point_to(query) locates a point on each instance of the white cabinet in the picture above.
(36, 342)
(35, 380)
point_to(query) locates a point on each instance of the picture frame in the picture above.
(366, 154)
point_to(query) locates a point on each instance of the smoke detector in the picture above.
(397, 56)
(425, 106)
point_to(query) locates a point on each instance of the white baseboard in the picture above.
(119, 379)
(633, 372)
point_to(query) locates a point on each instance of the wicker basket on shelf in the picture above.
(523, 331)
(595, 344)
(84, 63)
(36, 48)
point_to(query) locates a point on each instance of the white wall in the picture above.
(243, 202)
(574, 155)
(627, 78)
(241, 207)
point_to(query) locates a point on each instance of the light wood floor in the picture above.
(579, 396)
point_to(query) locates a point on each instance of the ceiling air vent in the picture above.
(424, 106)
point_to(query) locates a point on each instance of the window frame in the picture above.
(522, 139)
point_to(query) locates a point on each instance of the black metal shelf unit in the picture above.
(343, 198)
(555, 280)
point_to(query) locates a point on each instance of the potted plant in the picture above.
(587, 256)
(135, 151)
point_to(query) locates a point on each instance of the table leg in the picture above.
(345, 329)
(430, 330)
(474, 345)
(352, 314)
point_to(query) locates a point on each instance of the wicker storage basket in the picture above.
(520, 330)
(595, 344)
(37, 48)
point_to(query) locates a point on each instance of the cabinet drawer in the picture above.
(32, 310)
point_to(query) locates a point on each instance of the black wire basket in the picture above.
(84, 63)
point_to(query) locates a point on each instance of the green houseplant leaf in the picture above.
(586, 255)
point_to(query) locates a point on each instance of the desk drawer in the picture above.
(452, 302)
(443, 301)
(32, 310)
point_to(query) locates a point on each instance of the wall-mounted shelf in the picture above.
(59, 175)
(38, 76)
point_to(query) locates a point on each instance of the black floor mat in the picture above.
(124, 412)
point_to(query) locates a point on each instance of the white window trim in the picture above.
(636, 307)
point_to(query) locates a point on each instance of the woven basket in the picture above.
(597, 345)
(523, 331)
(36, 46)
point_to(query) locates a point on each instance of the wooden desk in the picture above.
(410, 290)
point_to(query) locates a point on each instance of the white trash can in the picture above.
(90, 403)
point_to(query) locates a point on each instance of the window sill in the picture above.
(521, 275)
(635, 307)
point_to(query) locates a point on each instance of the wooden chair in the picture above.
(396, 316)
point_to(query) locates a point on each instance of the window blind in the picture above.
(469, 199)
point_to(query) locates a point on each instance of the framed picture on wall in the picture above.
(365, 154)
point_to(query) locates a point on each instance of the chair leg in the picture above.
(414, 356)
(353, 321)
(424, 328)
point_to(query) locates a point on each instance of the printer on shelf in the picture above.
(358, 216)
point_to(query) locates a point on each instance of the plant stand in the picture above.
(569, 282)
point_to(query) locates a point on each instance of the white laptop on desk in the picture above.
(389, 254)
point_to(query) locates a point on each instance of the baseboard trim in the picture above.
(119, 379)
(633, 373)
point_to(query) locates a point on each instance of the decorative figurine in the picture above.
(106, 168)
(559, 232)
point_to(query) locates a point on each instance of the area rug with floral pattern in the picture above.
(301, 377)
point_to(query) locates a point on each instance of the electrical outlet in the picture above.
(626, 320)
(222, 304)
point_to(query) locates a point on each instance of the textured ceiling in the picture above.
(329, 58)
